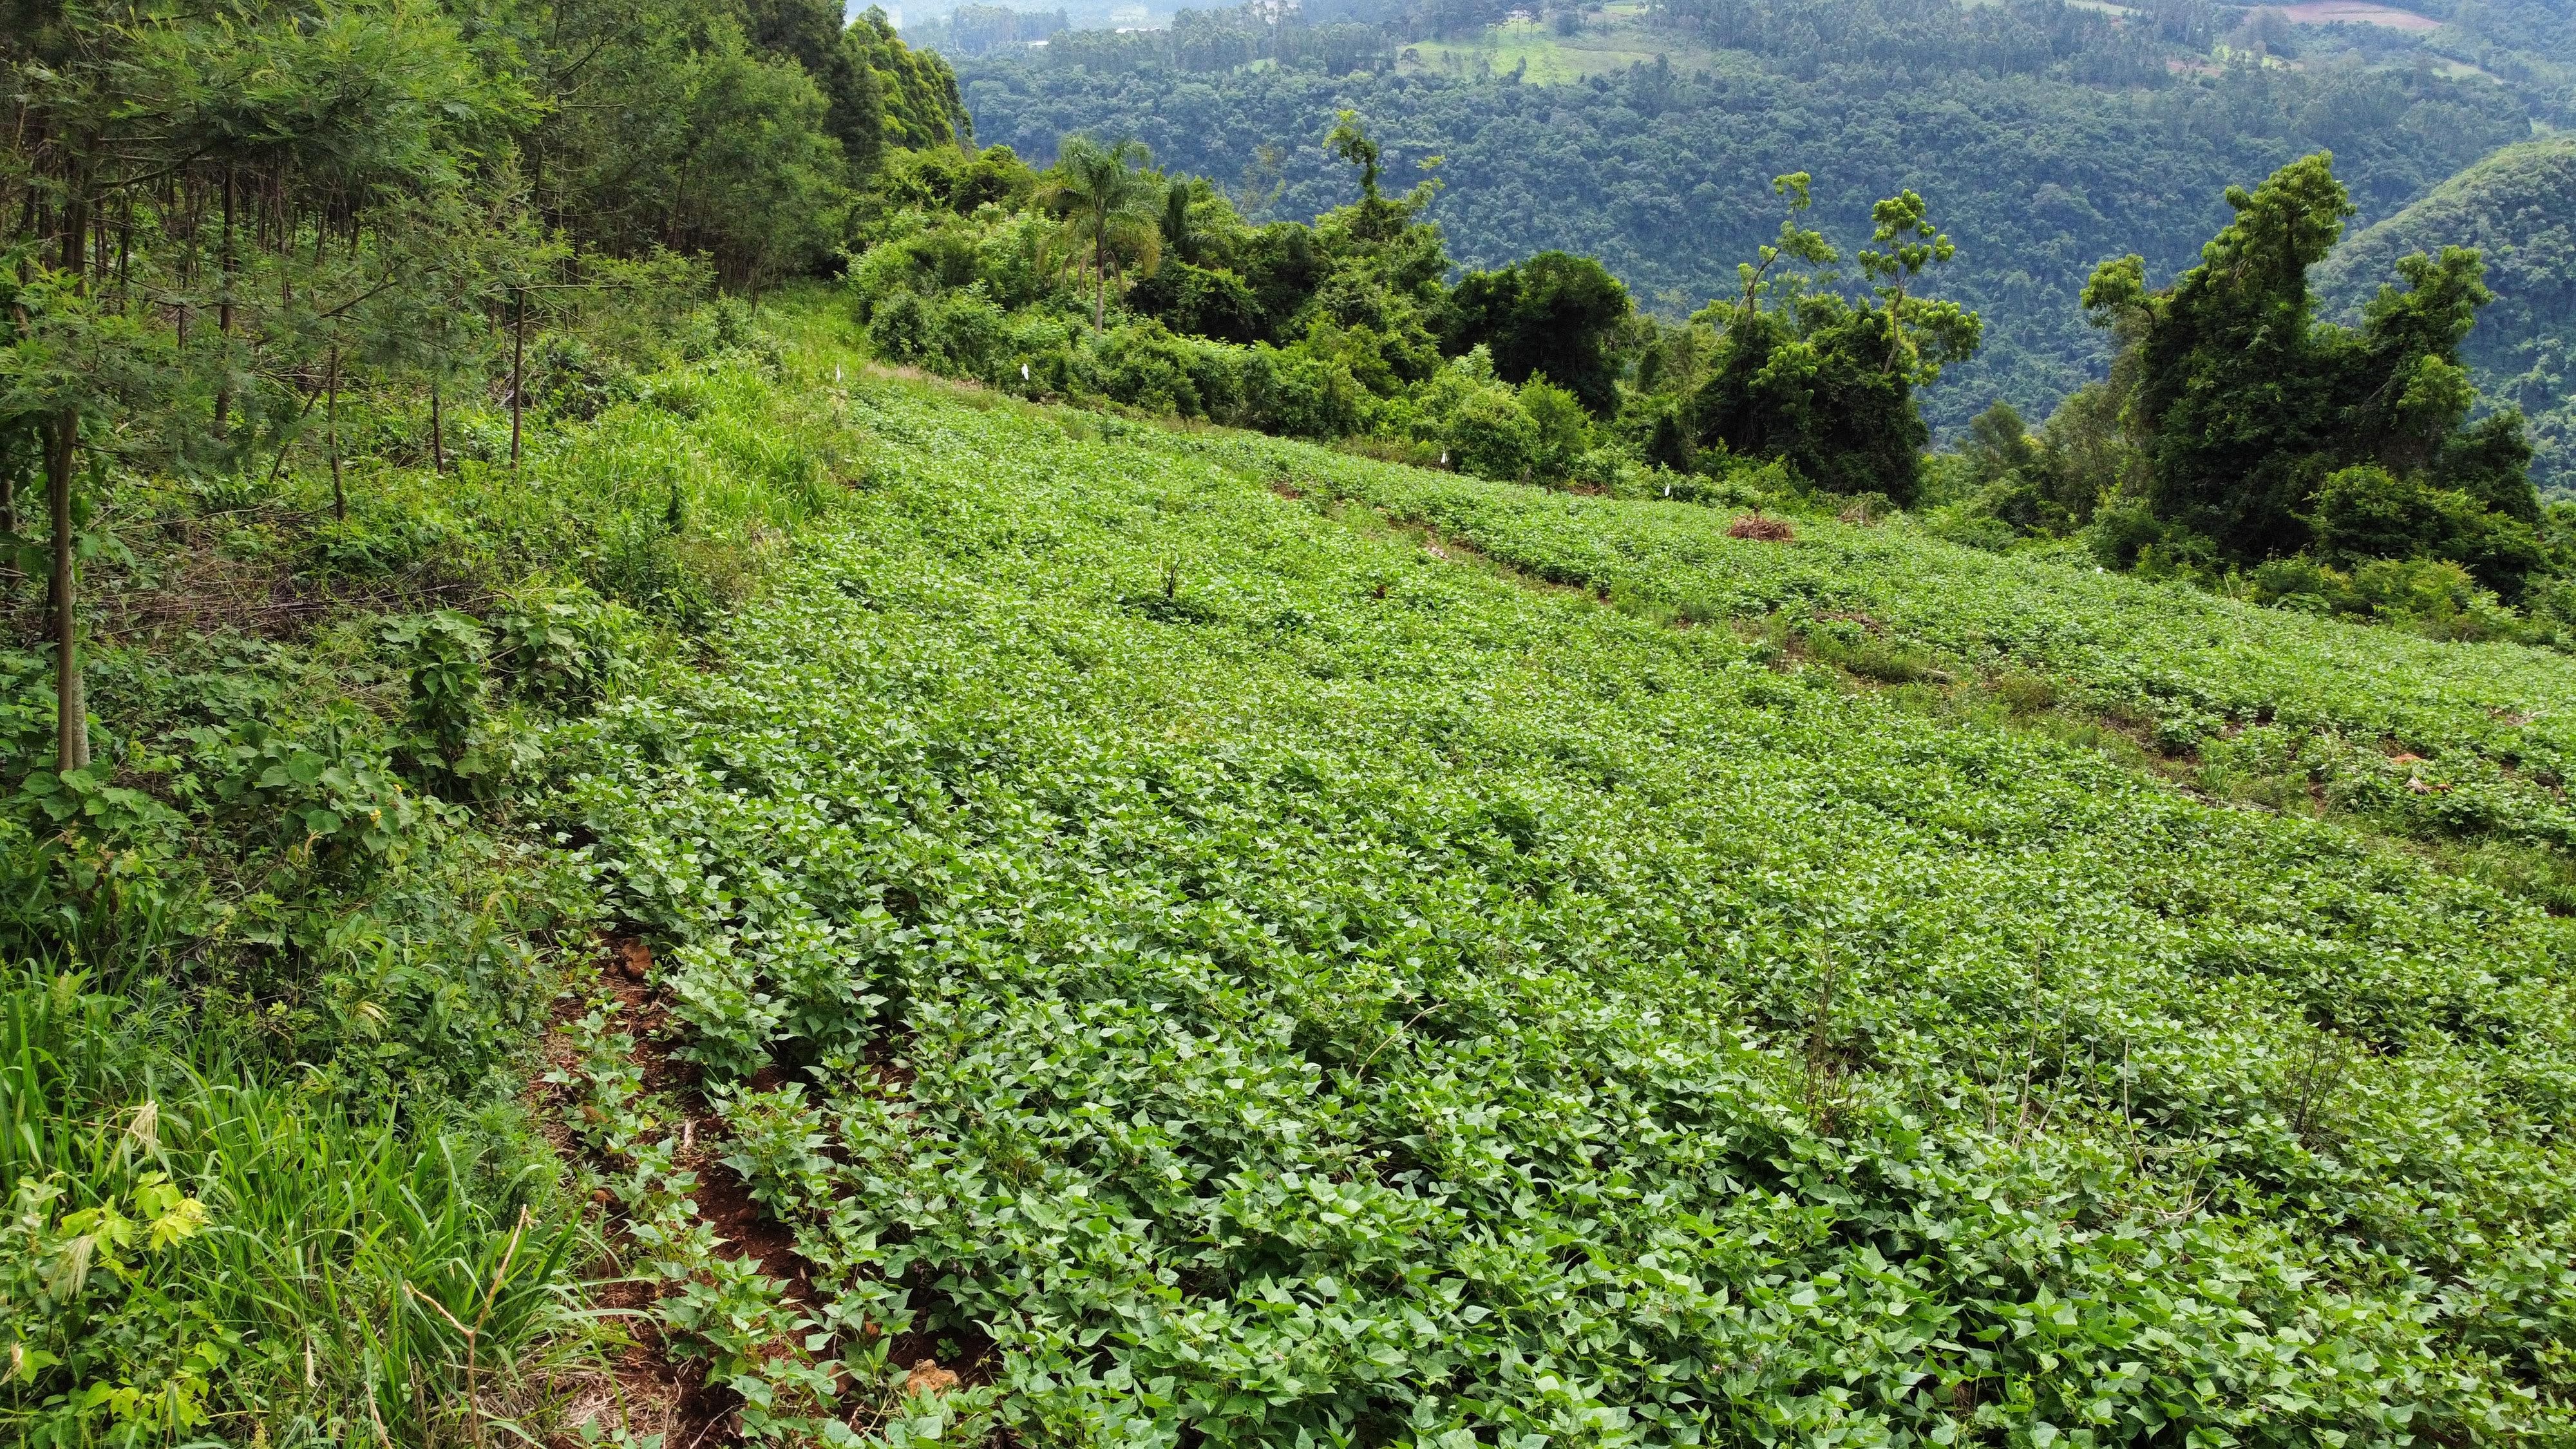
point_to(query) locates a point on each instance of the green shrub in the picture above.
(1299, 396)
(1561, 429)
(1203, 303)
(2365, 513)
(562, 644)
(2299, 582)
(1490, 435)
(901, 329)
(389, 539)
(570, 380)
(442, 654)
(2122, 533)
(1971, 525)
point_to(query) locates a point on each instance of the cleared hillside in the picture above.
(2518, 207)
(1215, 964)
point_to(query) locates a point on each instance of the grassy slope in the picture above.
(1279, 979)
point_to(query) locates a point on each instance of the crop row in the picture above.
(2488, 731)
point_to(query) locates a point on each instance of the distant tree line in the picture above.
(1101, 278)
(983, 29)
(1662, 174)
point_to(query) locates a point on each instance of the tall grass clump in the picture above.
(188, 1246)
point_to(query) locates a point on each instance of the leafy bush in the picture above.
(1490, 435)
(563, 644)
(2366, 513)
(568, 379)
(442, 653)
(1194, 300)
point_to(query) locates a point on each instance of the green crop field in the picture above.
(2430, 739)
(1169, 938)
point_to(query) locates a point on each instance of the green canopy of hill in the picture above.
(2518, 206)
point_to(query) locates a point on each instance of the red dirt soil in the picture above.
(648, 1377)
(1761, 528)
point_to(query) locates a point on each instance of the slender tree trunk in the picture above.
(1099, 286)
(70, 701)
(9, 479)
(1896, 325)
(70, 705)
(518, 374)
(331, 433)
(437, 447)
(224, 305)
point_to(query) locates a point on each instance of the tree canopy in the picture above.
(1555, 316)
(2267, 430)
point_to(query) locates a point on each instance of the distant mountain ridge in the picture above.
(2518, 206)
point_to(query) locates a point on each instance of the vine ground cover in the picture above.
(1275, 985)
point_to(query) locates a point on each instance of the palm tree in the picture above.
(1108, 207)
(1178, 238)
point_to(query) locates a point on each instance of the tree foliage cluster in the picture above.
(1542, 369)
(2266, 432)
(1662, 173)
(2244, 441)
(2517, 207)
(981, 29)
(1101, 277)
(222, 220)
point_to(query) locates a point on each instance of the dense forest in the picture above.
(2047, 137)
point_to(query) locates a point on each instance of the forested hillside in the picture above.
(2048, 137)
(2518, 208)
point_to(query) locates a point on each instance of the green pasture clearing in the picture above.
(1607, 45)
(1218, 969)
